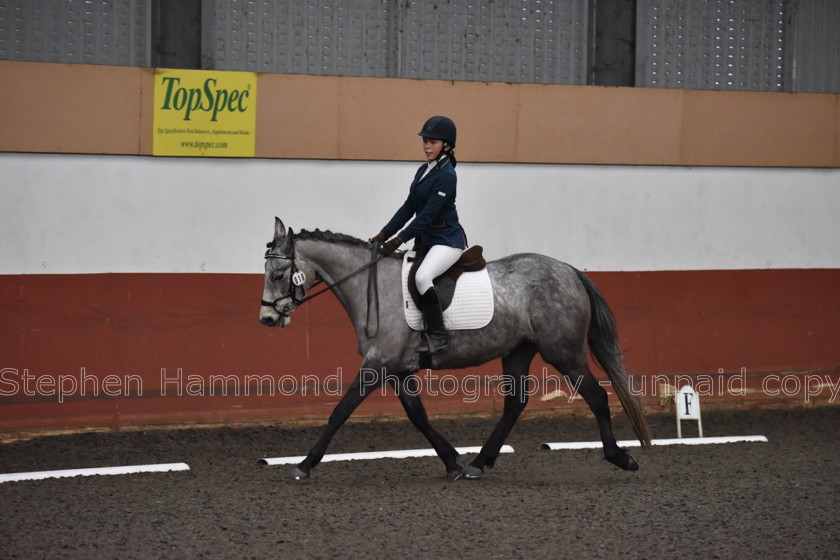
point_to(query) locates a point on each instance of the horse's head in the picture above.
(283, 279)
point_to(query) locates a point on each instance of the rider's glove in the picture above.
(390, 246)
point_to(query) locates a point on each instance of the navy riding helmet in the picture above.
(440, 128)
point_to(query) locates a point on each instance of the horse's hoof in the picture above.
(624, 461)
(473, 473)
(298, 474)
(454, 475)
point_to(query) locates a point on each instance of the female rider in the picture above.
(435, 227)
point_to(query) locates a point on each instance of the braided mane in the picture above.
(331, 237)
(326, 236)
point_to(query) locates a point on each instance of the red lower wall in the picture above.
(115, 350)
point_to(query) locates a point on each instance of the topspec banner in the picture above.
(204, 113)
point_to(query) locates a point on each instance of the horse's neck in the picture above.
(335, 261)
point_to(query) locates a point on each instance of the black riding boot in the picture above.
(435, 336)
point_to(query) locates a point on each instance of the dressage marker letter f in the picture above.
(687, 402)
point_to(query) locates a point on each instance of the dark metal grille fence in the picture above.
(765, 45)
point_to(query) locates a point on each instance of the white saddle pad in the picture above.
(471, 307)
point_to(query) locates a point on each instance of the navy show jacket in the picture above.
(432, 200)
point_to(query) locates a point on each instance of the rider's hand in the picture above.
(378, 238)
(390, 246)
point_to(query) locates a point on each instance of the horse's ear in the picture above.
(288, 242)
(279, 228)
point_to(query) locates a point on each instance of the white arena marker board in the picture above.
(395, 454)
(132, 469)
(688, 408)
(674, 441)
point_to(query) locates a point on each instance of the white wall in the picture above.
(89, 214)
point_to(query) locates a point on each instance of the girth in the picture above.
(471, 260)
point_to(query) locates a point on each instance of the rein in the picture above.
(297, 279)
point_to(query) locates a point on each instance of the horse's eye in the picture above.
(278, 276)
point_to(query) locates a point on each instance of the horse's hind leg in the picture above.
(408, 392)
(596, 397)
(515, 368)
(356, 393)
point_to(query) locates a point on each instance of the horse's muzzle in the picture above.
(274, 319)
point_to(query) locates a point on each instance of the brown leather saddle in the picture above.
(471, 260)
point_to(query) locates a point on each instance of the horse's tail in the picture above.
(603, 343)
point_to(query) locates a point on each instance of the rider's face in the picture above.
(432, 148)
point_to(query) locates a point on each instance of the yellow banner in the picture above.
(204, 113)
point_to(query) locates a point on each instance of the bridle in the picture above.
(297, 279)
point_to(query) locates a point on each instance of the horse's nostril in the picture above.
(268, 321)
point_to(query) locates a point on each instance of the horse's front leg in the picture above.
(407, 389)
(356, 393)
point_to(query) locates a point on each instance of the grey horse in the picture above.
(541, 306)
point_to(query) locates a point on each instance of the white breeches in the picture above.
(436, 262)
